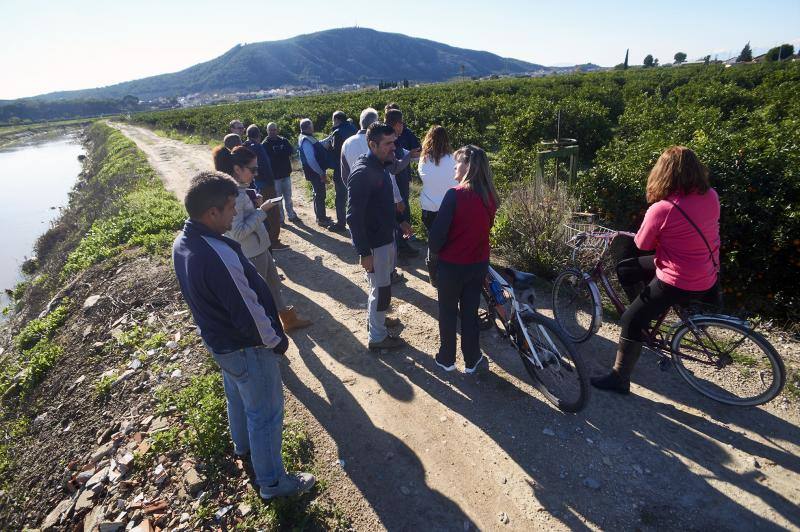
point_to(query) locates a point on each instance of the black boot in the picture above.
(619, 379)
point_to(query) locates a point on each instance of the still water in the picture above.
(35, 180)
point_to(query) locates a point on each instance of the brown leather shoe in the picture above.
(291, 321)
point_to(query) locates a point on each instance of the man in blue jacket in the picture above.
(370, 217)
(236, 316)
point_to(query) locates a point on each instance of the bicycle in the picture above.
(547, 354)
(722, 357)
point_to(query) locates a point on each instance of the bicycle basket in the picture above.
(587, 240)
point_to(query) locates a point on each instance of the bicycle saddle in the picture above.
(519, 280)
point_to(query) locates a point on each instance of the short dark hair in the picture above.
(377, 130)
(391, 105)
(340, 116)
(394, 116)
(207, 190)
(253, 132)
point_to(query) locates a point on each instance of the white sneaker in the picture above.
(477, 365)
(451, 367)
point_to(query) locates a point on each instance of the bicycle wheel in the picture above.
(562, 379)
(728, 361)
(576, 305)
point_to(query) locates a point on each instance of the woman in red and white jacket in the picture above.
(460, 237)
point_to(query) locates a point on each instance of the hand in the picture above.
(367, 264)
(407, 229)
(267, 205)
(259, 200)
(324, 178)
(415, 153)
(400, 206)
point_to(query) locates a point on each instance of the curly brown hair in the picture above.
(436, 144)
(677, 170)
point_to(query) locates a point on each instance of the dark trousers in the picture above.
(432, 259)
(341, 199)
(319, 199)
(273, 215)
(459, 297)
(656, 297)
(404, 185)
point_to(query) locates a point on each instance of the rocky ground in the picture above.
(400, 444)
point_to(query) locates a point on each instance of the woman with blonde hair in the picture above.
(436, 170)
(682, 226)
(460, 236)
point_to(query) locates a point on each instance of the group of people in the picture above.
(228, 276)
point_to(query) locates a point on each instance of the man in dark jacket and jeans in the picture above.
(394, 118)
(265, 184)
(280, 153)
(342, 130)
(370, 217)
(236, 316)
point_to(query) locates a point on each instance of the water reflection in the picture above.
(35, 180)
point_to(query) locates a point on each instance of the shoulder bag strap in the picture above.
(699, 232)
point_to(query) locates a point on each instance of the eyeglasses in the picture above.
(253, 169)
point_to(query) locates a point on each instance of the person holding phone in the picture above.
(249, 231)
(370, 217)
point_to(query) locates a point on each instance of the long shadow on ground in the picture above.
(639, 454)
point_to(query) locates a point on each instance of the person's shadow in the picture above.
(385, 470)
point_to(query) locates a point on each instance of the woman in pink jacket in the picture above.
(682, 227)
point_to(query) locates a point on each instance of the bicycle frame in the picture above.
(654, 340)
(517, 311)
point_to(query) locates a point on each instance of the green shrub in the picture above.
(148, 217)
(42, 328)
(202, 406)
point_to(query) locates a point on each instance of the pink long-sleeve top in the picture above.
(682, 258)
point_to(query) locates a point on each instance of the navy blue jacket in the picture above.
(409, 141)
(229, 300)
(340, 133)
(280, 156)
(265, 176)
(370, 205)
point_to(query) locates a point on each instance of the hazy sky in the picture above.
(69, 44)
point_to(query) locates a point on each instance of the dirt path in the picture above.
(434, 451)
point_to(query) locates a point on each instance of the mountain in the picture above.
(333, 57)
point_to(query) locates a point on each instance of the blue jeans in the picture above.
(254, 392)
(283, 187)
